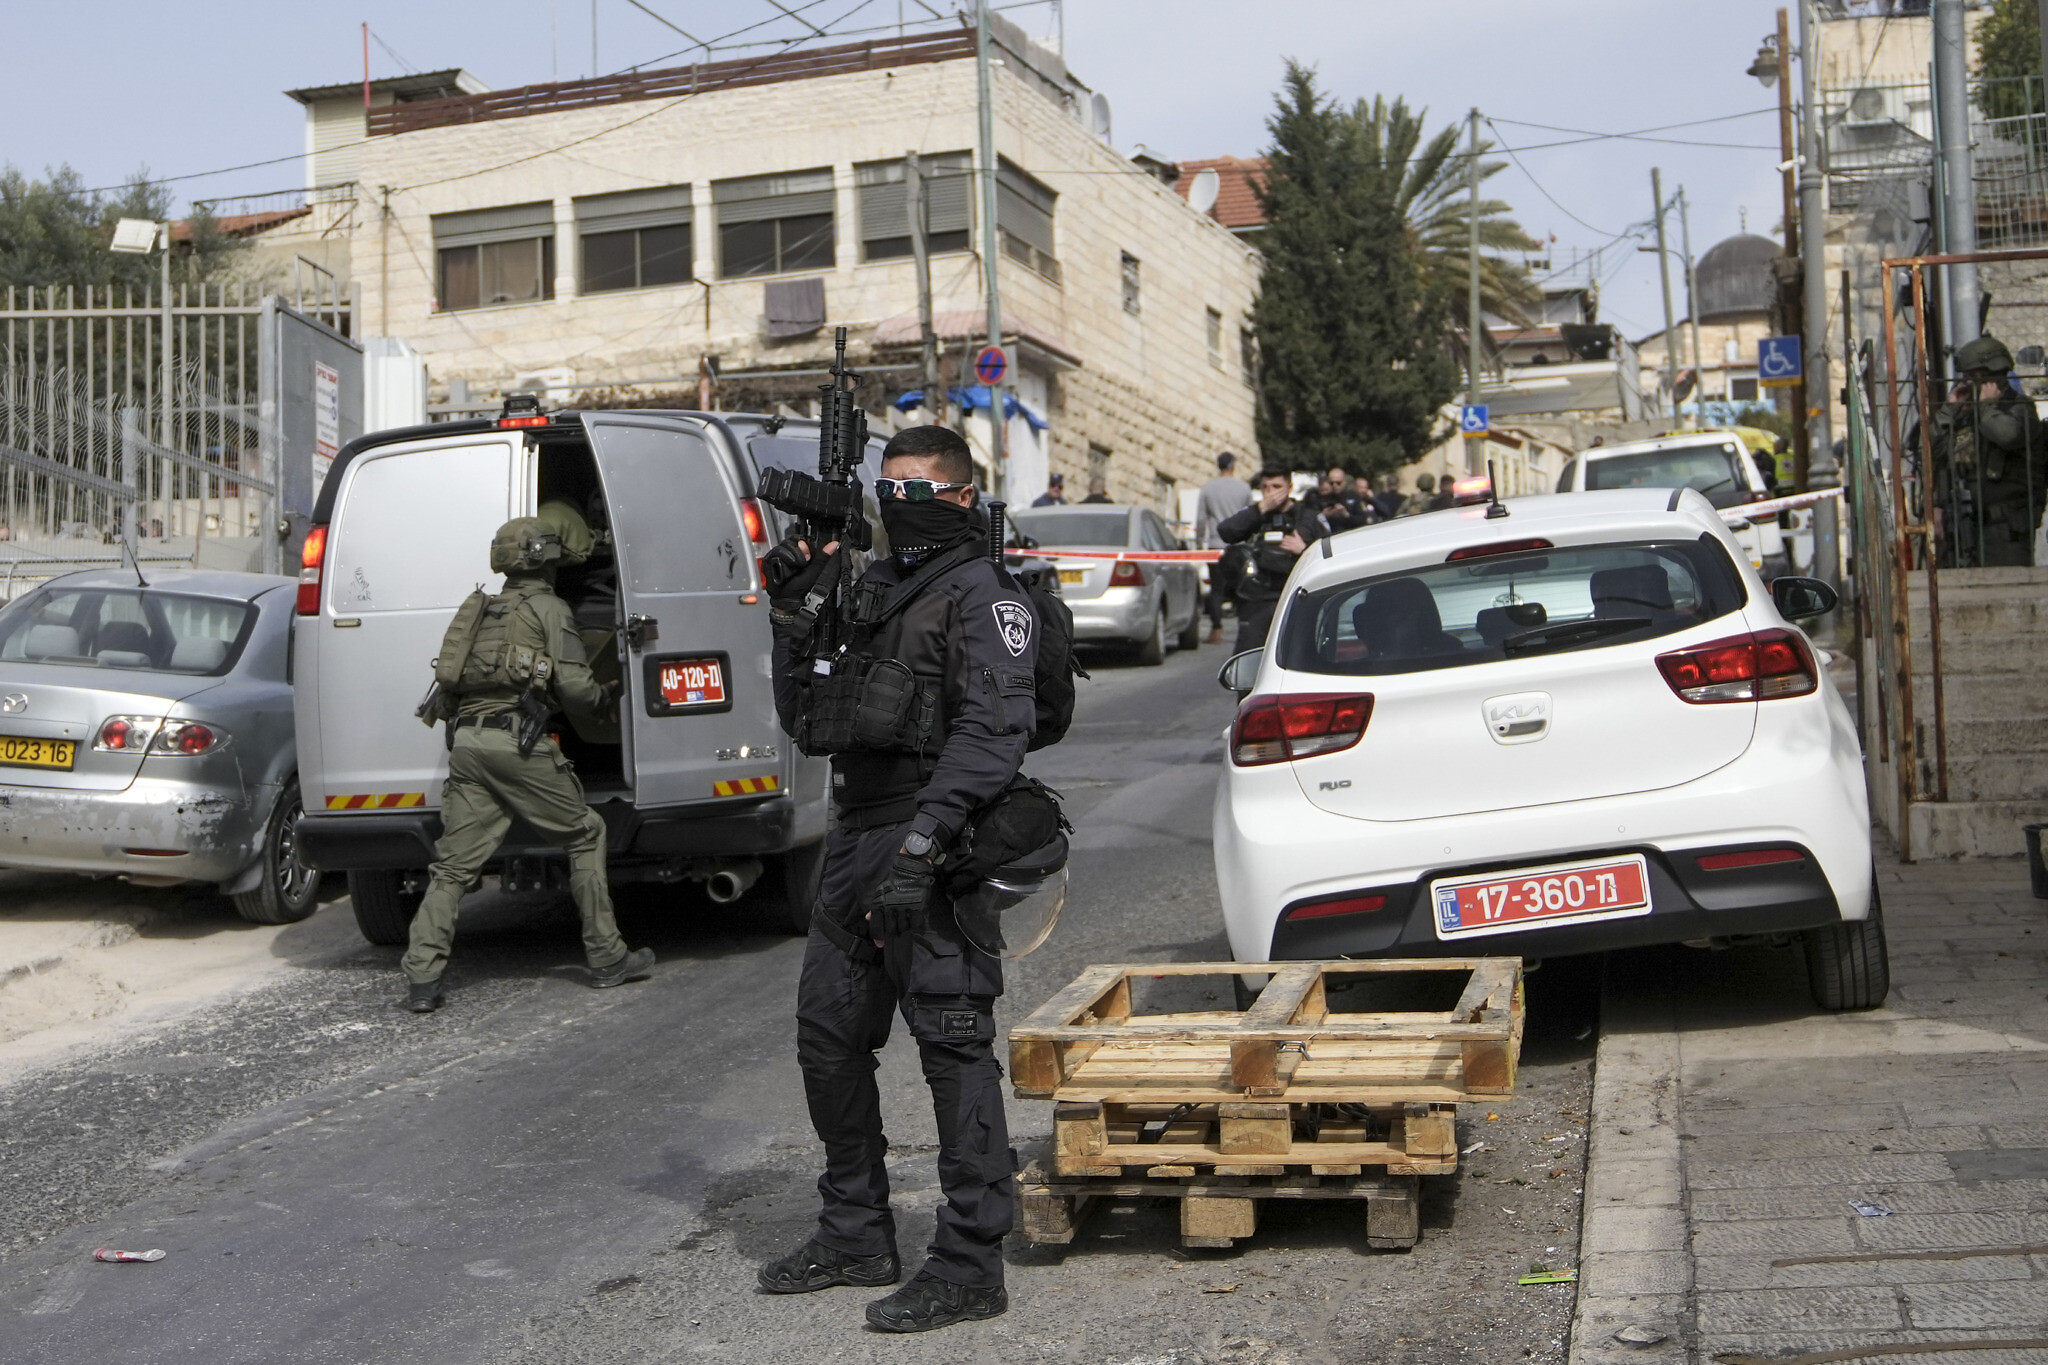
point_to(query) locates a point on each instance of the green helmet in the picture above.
(1986, 353)
(525, 545)
(560, 515)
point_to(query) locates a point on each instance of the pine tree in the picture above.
(1352, 367)
(2008, 51)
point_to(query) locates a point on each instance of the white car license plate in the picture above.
(1563, 893)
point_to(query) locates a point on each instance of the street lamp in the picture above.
(1765, 67)
(139, 237)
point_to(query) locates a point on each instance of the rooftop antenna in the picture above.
(1495, 507)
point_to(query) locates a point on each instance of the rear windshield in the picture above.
(1711, 467)
(1509, 606)
(131, 628)
(1076, 528)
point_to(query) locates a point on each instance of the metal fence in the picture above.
(136, 415)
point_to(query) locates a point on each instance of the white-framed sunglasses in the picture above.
(914, 490)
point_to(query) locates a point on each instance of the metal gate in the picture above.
(176, 421)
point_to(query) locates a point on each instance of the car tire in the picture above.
(290, 890)
(385, 903)
(787, 893)
(1847, 965)
(1191, 636)
(1152, 649)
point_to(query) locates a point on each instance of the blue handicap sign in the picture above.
(1472, 419)
(1778, 361)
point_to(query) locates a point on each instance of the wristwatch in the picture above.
(918, 845)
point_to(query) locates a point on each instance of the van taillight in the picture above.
(757, 525)
(1126, 574)
(1756, 667)
(312, 557)
(1277, 729)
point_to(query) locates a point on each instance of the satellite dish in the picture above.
(1202, 193)
(1098, 115)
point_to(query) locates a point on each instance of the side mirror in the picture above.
(1798, 599)
(1240, 671)
(2032, 357)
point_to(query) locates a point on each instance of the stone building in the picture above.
(612, 240)
(1736, 292)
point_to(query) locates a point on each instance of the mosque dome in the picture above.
(1734, 278)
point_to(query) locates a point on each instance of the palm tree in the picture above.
(1434, 200)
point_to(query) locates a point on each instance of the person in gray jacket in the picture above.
(1221, 497)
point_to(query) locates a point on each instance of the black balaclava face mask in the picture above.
(916, 529)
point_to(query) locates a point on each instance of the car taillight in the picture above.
(757, 525)
(1756, 667)
(186, 738)
(1126, 574)
(312, 557)
(1752, 857)
(1278, 729)
(125, 734)
(1347, 905)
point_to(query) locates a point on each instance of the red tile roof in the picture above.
(1237, 203)
(241, 224)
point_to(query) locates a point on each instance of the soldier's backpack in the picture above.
(460, 638)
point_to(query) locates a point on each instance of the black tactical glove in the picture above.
(896, 907)
(783, 563)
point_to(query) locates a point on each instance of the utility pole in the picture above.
(983, 42)
(1786, 268)
(1692, 298)
(1475, 446)
(920, 253)
(1958, 174)
(1664, 276)
(1822, 472)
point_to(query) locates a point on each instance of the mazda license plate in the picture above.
(1073, 575)
(22, 752)
(1563, 893)
(692, 682)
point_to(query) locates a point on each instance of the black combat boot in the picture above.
(636, 965)
(928, 1302)
(812, 1267)
(424, 997)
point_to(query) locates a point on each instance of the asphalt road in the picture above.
(544, 1172)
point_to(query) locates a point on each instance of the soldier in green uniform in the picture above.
(595, 610)
(506, 661)
(1990, 462)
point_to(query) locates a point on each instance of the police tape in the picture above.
(1748, 511)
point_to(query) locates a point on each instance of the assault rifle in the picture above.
(828, 506)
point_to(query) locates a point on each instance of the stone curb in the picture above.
(1635, 1261)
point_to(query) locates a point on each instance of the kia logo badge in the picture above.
(14, 702)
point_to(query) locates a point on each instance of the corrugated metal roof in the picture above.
(426, 85)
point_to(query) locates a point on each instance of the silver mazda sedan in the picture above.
(146, 731)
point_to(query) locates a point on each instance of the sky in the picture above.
(188, 89)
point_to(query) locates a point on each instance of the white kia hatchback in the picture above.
(1551, 726)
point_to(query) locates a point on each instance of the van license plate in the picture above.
(22, 752)
(692, 682)
(1563, 893)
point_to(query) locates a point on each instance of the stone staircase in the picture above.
(1994, 654)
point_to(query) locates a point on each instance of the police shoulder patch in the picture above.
(1013, 623)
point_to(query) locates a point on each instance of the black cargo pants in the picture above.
(945, 989)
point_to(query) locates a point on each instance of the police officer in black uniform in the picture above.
(927, 712)
(1276, 529)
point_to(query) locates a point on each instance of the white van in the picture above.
(1717, 463)
(699, 784)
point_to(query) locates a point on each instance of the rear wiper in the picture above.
(1565, 634)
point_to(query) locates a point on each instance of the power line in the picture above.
(1661, 128)
(1502, 144)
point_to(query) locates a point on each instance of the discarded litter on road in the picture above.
(1551, 1277)
(1870, 1209)
(112, 1257)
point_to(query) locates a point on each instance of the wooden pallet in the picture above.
(1086, 1045)
(1250, 1138)
(1217, 1211)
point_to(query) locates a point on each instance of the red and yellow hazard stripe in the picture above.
(746, 786)
(386, 801)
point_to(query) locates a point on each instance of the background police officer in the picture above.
(1277, 528)
(883, 940)
(525, 642)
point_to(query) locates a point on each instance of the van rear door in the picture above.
(408, 539)
(696, 668)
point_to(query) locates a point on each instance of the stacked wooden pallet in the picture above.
(1224, 1109)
